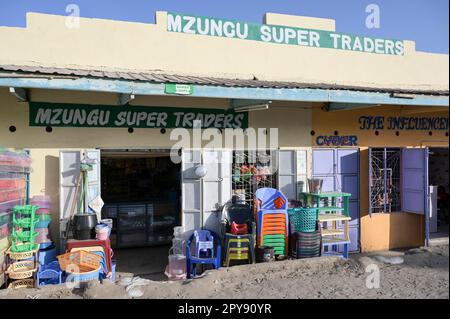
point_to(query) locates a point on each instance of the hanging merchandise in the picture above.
(84, 221)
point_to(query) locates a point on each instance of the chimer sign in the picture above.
(80, 115)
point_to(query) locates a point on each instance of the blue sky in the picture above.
(424, 21)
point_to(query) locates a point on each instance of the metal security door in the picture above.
(292, 172)
(414, 176)
(339, 169)
(216, 186)
(191, 206)
(202, 198)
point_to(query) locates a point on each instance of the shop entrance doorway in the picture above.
(438, 165)
(141, 190)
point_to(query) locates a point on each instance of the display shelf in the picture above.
(334, 240)
(329, 211)
(333, 218)
(141, 224)
(332, 232)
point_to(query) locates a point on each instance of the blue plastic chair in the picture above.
(198, 258)
(265, 205)
(50, 274)
(204, 244)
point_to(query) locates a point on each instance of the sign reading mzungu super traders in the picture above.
(281, 34)
(83, 115)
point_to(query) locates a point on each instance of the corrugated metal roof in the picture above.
(46, 72)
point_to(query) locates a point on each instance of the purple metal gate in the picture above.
(414, 175)
(339, 169)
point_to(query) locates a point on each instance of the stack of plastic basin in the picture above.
(44, 216)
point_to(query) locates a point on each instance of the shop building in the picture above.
(356, 111)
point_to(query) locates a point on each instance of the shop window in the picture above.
(384, 180)
(253, 170)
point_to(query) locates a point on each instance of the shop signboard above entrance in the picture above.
(83, 115)
(281, 34)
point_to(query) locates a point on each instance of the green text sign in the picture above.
(81, 115)
(180, 89)
(281, 34)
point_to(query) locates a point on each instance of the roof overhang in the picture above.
(129, 85)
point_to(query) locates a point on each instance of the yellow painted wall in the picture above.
(117, 45)
(383, 230)
(292, 119)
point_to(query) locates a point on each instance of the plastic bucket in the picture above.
(43, 211)
(41, 201)
(178, 231)
(109, 223)
(178, 246)
(177, 265)
(265, 254)
(315, 185)
(102, 236)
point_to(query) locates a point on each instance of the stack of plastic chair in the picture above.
(206, 251)
(272, 219)
(238, 230)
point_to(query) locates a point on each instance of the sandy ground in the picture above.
(424, 273)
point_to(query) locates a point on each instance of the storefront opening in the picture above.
(141, 191)
(438, 164)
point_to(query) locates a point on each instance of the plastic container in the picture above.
(315, 185)
(23, 283)
(29, 210)
(26, 222)
(84, 226)
(176, 269)
(47, 255)
(44, 245)
(102, 236)
(303, 219)
(25, 248)
(42, 201)
(42, 239)
(25, 236)
(42, 231)
(43, 211)
(12, 183)
(109, 223)
(102, 231)
(21, 269)
(83, 260)
(10, 195)
(43, 224)
(49, 274)
(5, 231)
(265, 254)
(178, 246)
(178, 231)
(83, 276)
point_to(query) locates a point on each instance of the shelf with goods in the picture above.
(15, 167)
(22, 261)
(252, 170)
(333, 216)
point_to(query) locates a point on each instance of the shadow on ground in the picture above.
(146, 262)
